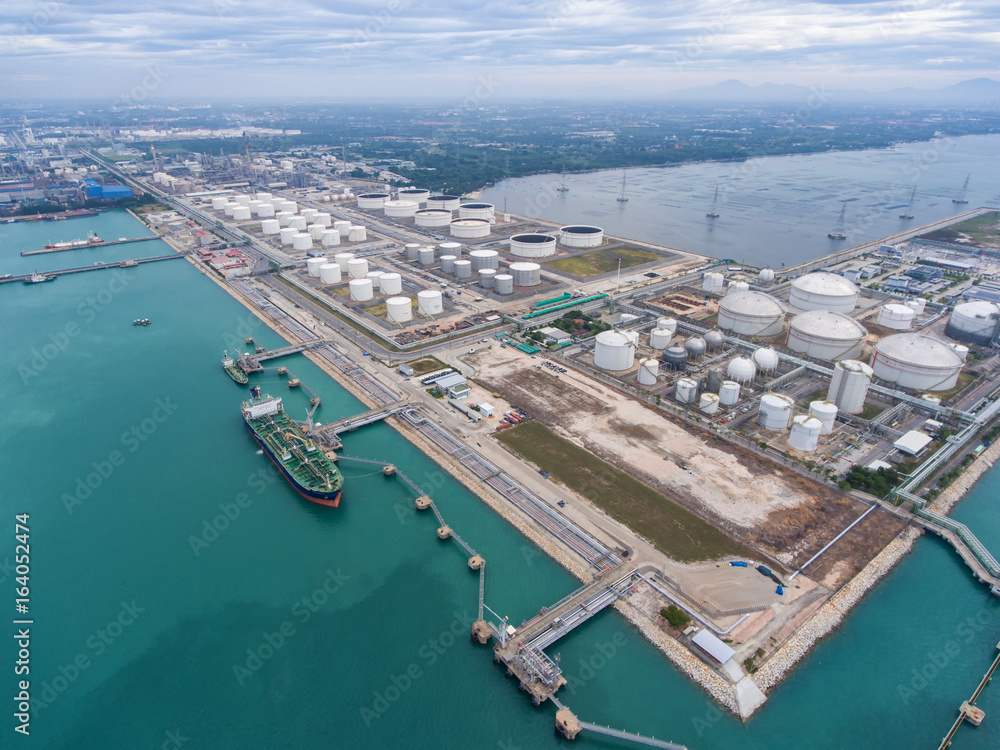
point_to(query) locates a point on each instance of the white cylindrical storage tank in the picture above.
(446, 202)
(284, 217)
(243, 200)
(931, 399)
(399, 309)
(476, 210)
(826, 413)
(429, 302)
(290, 206)
(615, 350)
(667, 324)
(298, 222)
(805, 433)
(448, 263)
(276, 201)
(775, 411)
(361, 290)
(766, 275)
(372, 200)
(484, 259)
(426, 255)
(533, 245)
(962, 349)
(825, 334)
(503, 283)
(358, 234)
(285, 234)
(302, 241)
(686, 390)
(219, 203)
(266, 211)
(374, 277)
(766, 359)
(400, 209)
(344, 227)
(323, 219)
(974, 322)
(581, 235)
(823, 291)
(270, 226)
(713, 283)
(413, 195)
(450, 248)
(742, 370)
(916, 360)
(526, 274)
(470, 229)
(917, 304)
(241, 213)
(729, 393)
(329, 273)
(316, 231)
(330, 237)
(659, 338)
(737, 286)
(487, 278)
(412, 250)
(342, 259)
(229, 208)
(266, 197)
(463, 269)
(750, 313)
(709, 403)
(895, 316)
(357, 268)
(313, 265)
(390, 283)
(849, 386)
(309, 214)
(648, 370)
(432, 217)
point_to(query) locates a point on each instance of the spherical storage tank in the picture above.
(487, 278)
(432, 217)
(426, 255)
(805, 433)
(709, 403)
(416, 195)
(729, 393)
(615, 350)
(686, 390)
(361, 289)
(750, 313)
(372, 200)
(313, 264)
(399, 209)
(695, 346)
(974, 322)
(713, 282)
(285, 234)
(270, 226)
(742, 370)
(463, 269)
(399, 309)
(357, 268)
(775, 411)
(825, 334)
(476, 211)
(533, 245)
(390, 283)
(484, 259)
(714, 340)
(659, 338)
(470, 229)
(916, 360)
(503, 283)
(849, 386)
(766, 275)
(648, 370)
(526, 274)
(429, 302)
(581, 235)
(445, 202)
(895, 316)
(448, 263)
(826, 413)
(329, 273)
(766, 359)
(823, 291)
(675, 357)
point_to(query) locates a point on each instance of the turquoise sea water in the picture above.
(141, 635)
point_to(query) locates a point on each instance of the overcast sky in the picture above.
(451, 48)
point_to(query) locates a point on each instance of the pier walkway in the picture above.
(99, 266)
(107, 243)
(252, 361)
(968, 711)
(360, 420)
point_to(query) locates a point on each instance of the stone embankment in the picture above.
(957, 489)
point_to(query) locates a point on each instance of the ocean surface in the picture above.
(182, 596)
(773, 210)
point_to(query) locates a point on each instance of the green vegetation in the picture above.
(672, 528)
(983, 230)
(964, 379)
(876, 483)
(871, 411)
(603, 261)
(676, 616)
(425, 365)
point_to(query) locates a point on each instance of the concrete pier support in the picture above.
(567, 723)
(481, 632)
(444, 532)
(388, 470)
(423, 502)
(476, 562)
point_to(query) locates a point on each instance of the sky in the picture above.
(349, 49)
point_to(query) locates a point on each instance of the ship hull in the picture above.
(329, 499)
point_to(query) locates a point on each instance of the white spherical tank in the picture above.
(504, 283)
(429, 302)
(713, 283)
(390, 283)
(357, 234)
(484, 259)
(709, 403)
(615, 350)
(775, 412)
(659, 338)
(463, 269)
(667, 324)
(750, 313)
(241, 213)
(476, 210)
(284, 217)
(342, 259)
(849, 385)
(533, 245)
(526, 274)
(372, 200)
(916, 360)
(470, 229)
(714, 340)
(329, 273)
(581, 235)
(917, 304)
(219, 203)
(729, 393)
(448, 263)
(313, 266)
(285, 234)
(976, 322)
(737, 286)
(686, 391)
(446, 202)
(895, 316)
(487, 278)
(357, 268)
(826, 413)
(823, 291)
(432, 217)
(742, 370)
(805, 433)
(695, 346)
(412, 194)
(766, 359)
(648, 370)
(400, 209)
(426, 255)
(399, 309)
(361, 290)
(825, 334)
(330, 237)
(302, 241)
(270, 226)
(766, 276)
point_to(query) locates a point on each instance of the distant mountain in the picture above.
(976, 91)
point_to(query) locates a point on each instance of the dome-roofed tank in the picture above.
(399, 309)
(805, 433)
(686, 390)
(709, 403)
(751, 314)
(766, 359)
(695, 346)
(823, 291)
(976, 322)
(849, 385)
(766, 275)
(716, 376)
(675, 357)
(648, 370)
(775, 411)
(895, 316)
(615, 350)
(826, 413)
(667, 324)
(916, 360)
(729, 393)
(659, 338)
(714, 340)
(429, 302)
(742, 370)
(825, 334)
(713, 283)
(737, 286)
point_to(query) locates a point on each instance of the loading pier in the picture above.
(108, 243)
(99, 266)
(968, 711)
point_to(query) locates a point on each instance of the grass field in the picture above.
(603, 261)
(672, 528)
(984, 230)
(425, 365)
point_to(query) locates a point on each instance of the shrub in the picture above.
(675, 616)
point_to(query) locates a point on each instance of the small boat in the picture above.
(906, 214)
(712, 213)
(961, 196)
(622, 197)
(233, 370)
(562, 185)
(141, 322)
(838, 233)
(37, 278)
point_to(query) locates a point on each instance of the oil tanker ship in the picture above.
(92, 239)
(232, 369)
(304, 464)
